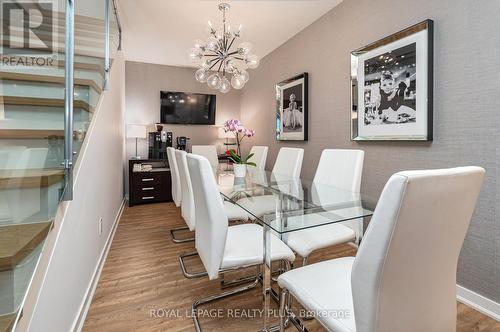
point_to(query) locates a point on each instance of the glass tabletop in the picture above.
(288, 204)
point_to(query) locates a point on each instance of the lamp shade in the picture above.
(136, 131)
(224, 134)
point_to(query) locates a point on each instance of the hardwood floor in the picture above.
(142, 288)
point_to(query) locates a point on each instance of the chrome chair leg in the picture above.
(243, 280)
(284, 267)
(281, 269)
(190, 275)
(179, 229)
(213, 298)
(296, 322)
(226, 284)
(283, 309)
(309, 315)
(286, 314)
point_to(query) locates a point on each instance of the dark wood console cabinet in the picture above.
(149, 186)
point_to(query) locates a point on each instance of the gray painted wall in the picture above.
(467, 88)
(143, 83)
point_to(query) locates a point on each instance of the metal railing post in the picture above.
(68, 100)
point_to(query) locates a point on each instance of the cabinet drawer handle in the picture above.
(148, 188)
(148, 197)
(145, 180)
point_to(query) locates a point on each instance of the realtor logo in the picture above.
(27, 37)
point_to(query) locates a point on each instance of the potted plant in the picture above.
(239, 162)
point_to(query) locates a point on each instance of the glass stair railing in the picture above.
(32, 139)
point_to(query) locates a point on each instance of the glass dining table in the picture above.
(285, 205)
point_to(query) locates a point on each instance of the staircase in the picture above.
(32, 139)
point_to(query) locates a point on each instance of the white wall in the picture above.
(74, 247)
(144, 81)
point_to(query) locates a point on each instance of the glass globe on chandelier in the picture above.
(221, 64)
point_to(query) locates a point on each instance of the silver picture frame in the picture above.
(403, 127)
(298, 86)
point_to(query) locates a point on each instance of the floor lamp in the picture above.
(136, 131)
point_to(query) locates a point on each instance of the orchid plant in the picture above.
(235, 126)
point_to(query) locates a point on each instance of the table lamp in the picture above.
(136, 131)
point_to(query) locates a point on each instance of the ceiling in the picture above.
(160, 31)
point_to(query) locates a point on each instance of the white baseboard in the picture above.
(78, 325)
(480, 303)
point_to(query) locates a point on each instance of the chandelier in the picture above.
(221, 64)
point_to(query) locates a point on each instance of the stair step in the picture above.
(82, 65)
(7, 322)
(89, 32)
(82, 29)
(87, 23)
(30, 178)
(17, 241)
(50, 102)
(81, 62)
(31, 133)
(29, 77)
(19, 92)
(59, 17)
(81, 37)
(82, 25)
(60, 48)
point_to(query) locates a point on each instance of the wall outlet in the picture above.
(100, 226)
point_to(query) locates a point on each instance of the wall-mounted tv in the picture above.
(187, 108)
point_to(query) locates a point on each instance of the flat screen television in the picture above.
(187, 108)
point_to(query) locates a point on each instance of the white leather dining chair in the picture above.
(270, 202)
(259, 156)
(341, 169)
(188, 208)
(222, 247)
(187, 204)
(404, 275)
(289, 162)
(286, 168)
(207, 151)
(174, 174)
(176, 193)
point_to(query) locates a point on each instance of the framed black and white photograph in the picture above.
(291, 109)
(391, 83)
